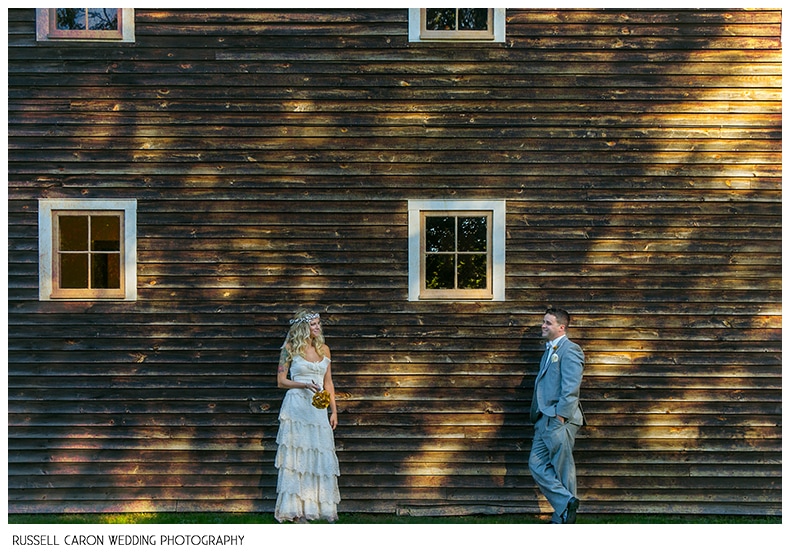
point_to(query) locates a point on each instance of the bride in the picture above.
(306, 459)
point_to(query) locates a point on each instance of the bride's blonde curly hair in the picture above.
(299, 336)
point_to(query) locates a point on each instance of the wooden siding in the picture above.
(272, 154)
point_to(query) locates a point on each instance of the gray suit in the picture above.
(556, 392)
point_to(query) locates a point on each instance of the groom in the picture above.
(557, 416)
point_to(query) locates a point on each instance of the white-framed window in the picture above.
(85, 24)
(87, 250)
(457, 24)
(456, 250)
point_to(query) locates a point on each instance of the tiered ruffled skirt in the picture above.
(306, 460)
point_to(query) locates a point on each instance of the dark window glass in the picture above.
(105, 270)
(74, 270)
(440, 234)
(440, 19)
(472, 234)
(105, 233)
(73, 234)
(472, 271)
(472, 19)
(440, 272)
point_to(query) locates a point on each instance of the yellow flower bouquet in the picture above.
(321, 400)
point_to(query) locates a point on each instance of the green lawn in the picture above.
(267, 518)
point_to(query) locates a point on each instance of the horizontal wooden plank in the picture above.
(443, 362)
(301, 16)
(701, 130)
(395, 383)
(676, 115)
(264, 470)
(759, 85)
(366, 169)
(430, 432)
(361, 374)
(433, 493)
(370, 439)
(617, 16)
(186, 485)
(24, 46)
(415, 319)
(595, 339)
(599, 406)
(371, 73)
(130, 148)
(364, 157)
(602, 461)
(372, 505)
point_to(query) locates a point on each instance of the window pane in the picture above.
(105, 233)
(440, 19)
(439, 272)
(472, 19)
(70, 19)
(73, 233)
(103, 19)
(472, 272)
(74, 270)
(472, 234)
(106, 270)
(440, 234)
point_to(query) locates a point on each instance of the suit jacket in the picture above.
(558, 384)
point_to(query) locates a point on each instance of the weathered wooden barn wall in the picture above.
(272, 154)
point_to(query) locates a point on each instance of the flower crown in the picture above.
(306, 319)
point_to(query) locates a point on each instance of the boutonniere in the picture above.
(555, 357)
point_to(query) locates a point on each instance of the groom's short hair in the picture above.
(561, 315)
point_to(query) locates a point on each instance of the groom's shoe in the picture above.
(570, 511)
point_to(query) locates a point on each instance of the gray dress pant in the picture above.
(551, 462)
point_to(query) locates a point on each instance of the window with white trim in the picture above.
(87, 249)
(457, 24)
(85, 24)
(456, 250)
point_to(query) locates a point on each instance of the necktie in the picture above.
(534, 414)
(546, 356)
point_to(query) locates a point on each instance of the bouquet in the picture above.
(321, 399)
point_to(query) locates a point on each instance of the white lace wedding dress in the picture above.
(308, 467)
